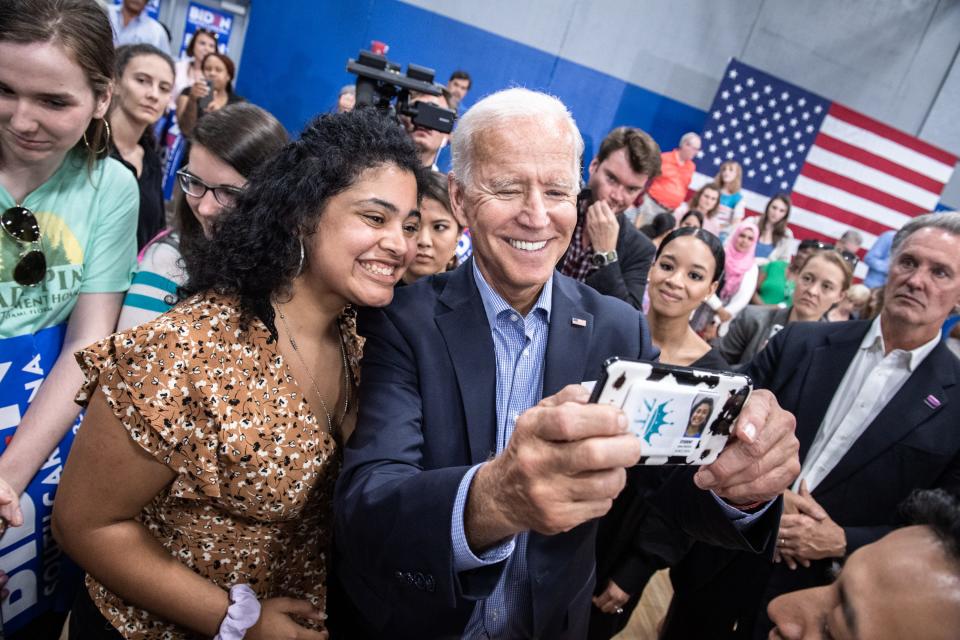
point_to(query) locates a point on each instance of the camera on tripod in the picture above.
(379, 81)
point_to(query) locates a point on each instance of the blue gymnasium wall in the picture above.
(295, 55)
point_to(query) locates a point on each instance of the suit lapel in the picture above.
(823, 377)
(571, 328)
(906, 411)
(462, 322)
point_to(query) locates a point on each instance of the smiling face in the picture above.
(615, 182)
(46, 103)
(681, 278)
(365, 239)
(216, 71)
(819, 287)
(521, 206)
(144, 88)
(923, 284)
(699, 416)
(436, 241)
(215, 172)
(902, 586)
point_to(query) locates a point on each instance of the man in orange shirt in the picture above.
(669, 189)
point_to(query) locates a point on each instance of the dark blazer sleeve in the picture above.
(627, 277)
(393, 518)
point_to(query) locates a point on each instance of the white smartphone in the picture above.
(682, 415)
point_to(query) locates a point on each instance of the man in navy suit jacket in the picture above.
(872, 401)
(470, 486)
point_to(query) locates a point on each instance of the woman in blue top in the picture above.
(68, 239)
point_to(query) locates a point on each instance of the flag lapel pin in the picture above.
(932, 401)
(578, 322)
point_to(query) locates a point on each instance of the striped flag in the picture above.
(841, 168)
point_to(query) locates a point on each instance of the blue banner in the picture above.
(202, 17)
(41, 577)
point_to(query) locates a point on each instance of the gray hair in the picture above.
(495, 111)
(852, 235)
(689, 135)
(348, 88)
(948, 221)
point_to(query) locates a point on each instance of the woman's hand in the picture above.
(200, 89)
(9, 507)
(612, 599)
(276, 621)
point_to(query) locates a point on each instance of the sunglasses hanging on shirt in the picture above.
(20, 224)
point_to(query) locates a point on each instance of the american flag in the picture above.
(841, 168)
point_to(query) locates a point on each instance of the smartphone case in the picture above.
(682, 415)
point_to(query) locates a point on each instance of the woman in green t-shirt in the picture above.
(69, 217)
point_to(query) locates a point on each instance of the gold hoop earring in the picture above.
(106, 142)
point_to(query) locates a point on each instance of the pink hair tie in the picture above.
(243, 613)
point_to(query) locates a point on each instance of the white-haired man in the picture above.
(470, 485)
(668, 190)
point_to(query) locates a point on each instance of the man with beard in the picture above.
(606, 251)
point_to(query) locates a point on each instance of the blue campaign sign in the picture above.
(215, 20)
(41, 577)
(152, 9)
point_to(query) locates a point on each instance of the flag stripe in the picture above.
(886, 148)
(878, 180)
(886, 131)
(880, 164)
(841, 215)
(850, 202)
(863, 192)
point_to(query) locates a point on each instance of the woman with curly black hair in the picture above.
(216, 428)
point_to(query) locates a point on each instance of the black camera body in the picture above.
(379, 81)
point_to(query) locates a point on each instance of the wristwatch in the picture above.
(603, 258)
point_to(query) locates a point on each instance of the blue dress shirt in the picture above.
(520, 344)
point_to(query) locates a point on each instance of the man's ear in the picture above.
(592, 167)
(457, 197)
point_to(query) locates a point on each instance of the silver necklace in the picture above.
(316, 387)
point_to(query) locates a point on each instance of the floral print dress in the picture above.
(208, 395)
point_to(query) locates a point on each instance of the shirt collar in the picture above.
(873, 341)
(494, 304)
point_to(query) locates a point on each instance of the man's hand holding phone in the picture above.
(761, 461)
(565, 463)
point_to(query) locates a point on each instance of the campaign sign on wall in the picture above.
(202, 17)
(42, 578)
(172, 142)
(152, 8)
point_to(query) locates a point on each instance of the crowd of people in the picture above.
(308, 412)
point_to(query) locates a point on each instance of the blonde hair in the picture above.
(737, 182)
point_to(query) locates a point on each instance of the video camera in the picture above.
(379, 81)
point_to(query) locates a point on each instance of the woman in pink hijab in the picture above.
(740, 281)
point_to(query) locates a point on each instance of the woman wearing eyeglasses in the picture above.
(68, 238)
(227, 146)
